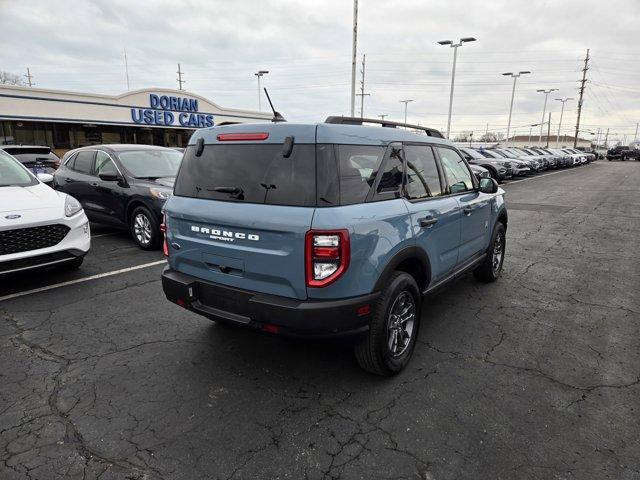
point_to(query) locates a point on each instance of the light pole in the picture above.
(453, 71)
(382, 116)
(544, 109)
(354, 52)
(513, 92)
(563, 100)
(405, 108)
(259, 74)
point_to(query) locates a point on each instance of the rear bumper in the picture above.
(271, 313)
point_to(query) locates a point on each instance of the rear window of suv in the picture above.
(250, 173)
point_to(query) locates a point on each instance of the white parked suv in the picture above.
(38, 226)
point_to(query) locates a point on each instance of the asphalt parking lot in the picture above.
(536, 376)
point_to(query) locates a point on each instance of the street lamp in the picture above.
(405, 108)
(563, 100)
(453, 71)
(259, 74)
(513, 92)
(544, 109)
(382, 116)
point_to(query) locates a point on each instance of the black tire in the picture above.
(148, 236)
(373, 352)
(490, 271)
(72, 265)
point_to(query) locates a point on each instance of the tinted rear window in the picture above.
(250, 173)
(358, 166)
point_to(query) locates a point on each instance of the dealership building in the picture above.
(66, 120)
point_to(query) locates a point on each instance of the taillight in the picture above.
(326, 256)
(163, 229)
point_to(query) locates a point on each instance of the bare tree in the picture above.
(8, 78)
(463, 136)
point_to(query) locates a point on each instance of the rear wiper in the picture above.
(152, 177)
(234, 192)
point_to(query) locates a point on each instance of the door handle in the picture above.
(68, 180)
(428, 222)
(467, 211)
(94, 184)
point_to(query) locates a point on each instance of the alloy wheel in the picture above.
(142, 229)
(400, 324)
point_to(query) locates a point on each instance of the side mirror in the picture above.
(45, 177)
(488, 185)
(109, 176)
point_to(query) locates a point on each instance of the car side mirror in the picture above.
(109, 176)
(45, 177)
(488, 185)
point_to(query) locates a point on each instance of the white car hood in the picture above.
(29, 205)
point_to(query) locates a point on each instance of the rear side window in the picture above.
(423, 179)
(358, 166)
(84, 162)
(250, 173)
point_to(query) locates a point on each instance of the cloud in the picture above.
(78, 45)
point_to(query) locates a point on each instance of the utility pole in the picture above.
(548, 130)
(598, 138)
(29, 78)
(582, 84)
(606, 139)
(405, 108)
(354, 51)
(453, 72)
(544, 109)
(362, 94)
(563, 100)
(382, 116)
(180, 80)
(530, 130)
(513, 93)
(635, 136)
(126, 68)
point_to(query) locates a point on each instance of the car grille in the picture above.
(32, 238)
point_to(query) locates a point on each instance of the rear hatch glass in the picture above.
(250, 173)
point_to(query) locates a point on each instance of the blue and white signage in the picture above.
(164, 110)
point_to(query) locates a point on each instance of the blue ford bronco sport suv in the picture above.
(332, 229)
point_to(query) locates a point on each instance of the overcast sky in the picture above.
(306, 46)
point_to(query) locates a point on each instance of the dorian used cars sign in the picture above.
(165, 110)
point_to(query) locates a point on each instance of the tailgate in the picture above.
(249, 246)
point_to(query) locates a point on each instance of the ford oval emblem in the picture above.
(12, 217)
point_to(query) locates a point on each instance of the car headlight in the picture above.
(160, 193)
(71, 206)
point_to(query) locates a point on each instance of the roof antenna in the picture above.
(276, 115)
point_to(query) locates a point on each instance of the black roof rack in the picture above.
(432, 132)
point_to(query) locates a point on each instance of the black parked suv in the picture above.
(616, 152)
(633, 153)
(122, 185)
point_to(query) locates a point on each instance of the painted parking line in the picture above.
(81, 280)
(540, 176)
(104, 234)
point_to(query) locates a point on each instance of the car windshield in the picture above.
(506, 153)
(151, 163)
(472, 153)
(489, 154)
(12, 174)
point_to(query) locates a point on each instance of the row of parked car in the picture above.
(502, 163)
